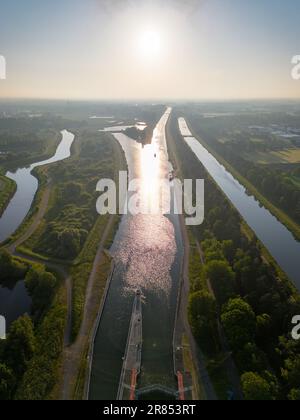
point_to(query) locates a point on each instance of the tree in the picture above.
(20, 345)
(239, 323)
(255, 388)
(222, 279)
(202, 313)
(251, 358)
(70, 241)
(294, 395)
(41, 286)
(291, 372)
(263, 329)
(245, 270)
(7, 382)
(11, 269)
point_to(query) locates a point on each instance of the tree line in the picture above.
(29, 357)
(252, 300)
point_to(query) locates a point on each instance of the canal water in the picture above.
(273, 234)
(148, 254)
(14, 299)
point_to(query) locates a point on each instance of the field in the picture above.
(295, 180)
(288, 155)
(7, 189)
(260, 150)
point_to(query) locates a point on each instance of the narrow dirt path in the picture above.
(198, 357)
(37, 218)
(183, 324)
(73, 354)
(12, 248)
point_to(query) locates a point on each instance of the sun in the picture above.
(149, 44)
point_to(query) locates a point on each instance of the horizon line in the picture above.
(49, 99)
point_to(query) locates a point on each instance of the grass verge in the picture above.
(292, 226)
(7, 190)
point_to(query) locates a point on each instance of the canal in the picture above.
(148, 253)
(272, 233)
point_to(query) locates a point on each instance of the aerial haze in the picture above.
(194, 49)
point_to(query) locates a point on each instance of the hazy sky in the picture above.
(149, 49)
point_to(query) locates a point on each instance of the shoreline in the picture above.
(282, 217)
(94, 333)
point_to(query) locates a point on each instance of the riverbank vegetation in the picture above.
(25, 139)
(262, 156)
(72, 211)
(251, 299)
(71, 229)
(7, 190)
(30, 357)
(20, 149)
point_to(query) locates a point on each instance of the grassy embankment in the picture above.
(41, 174)
(214, 365)
(7, 190)
(72, 211)
(214, 362)
(278, 213)
(103, 276)
(81, 275)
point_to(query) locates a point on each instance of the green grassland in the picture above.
(289, 155)
(71, 230)
(7, 190)
(277, 212)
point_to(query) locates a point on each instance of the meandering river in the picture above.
(27, 186)
(14, 299)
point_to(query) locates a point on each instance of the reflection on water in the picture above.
(14, 302)
(27, 186)
(148, 250)
(273, 234)
(148, 254)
